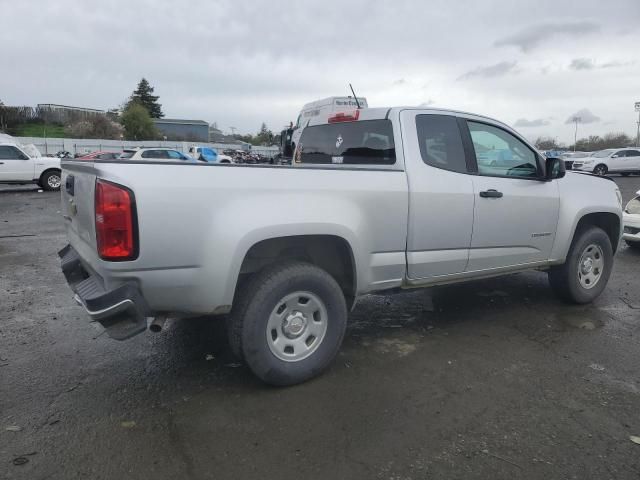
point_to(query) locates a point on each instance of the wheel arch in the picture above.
(333, 253)
(607, 221)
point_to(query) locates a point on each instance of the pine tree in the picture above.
(144, 96)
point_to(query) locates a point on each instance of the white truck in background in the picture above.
(23, 164)
(321, 110)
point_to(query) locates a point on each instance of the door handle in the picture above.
(491, 193)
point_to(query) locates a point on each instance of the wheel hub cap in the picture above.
(590, 266)
(297, 326)
(293, 326)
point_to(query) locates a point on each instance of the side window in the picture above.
(620, 154)
(441, 142)
(7, 152)
(367, 142)
(155, 154)
(633, 153)
(173, 155)
(501, 154)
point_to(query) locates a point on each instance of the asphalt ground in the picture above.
(491, 379)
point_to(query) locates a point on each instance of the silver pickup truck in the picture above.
(377, 199)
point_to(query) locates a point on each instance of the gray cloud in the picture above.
(582, 64)
(428, 103)
(589, 64)
(530, 37)
(585, 115)
(496, 70)
(399, 82)
(538, 122)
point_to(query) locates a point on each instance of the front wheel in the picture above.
(288, 322)
(586, 271)
(50, 180)
(601, 170)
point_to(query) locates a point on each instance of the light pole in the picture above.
(575, 135)
(637, 105)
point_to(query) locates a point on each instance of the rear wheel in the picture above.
(50, 180)
(601, 170)
(586, 271)
(288, 322)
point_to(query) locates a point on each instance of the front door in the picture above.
(516, 213)
(15, 165)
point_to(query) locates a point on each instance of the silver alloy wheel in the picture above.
(53, 181)
(590, 266)
(600, 170)
(296, 327)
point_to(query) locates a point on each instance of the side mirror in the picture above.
(555, 168)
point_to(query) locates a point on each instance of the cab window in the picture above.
(501, 154)
(367, 142)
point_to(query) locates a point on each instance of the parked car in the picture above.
(100, 156)
(631, 220)
(157, 154)
(612, 160)
(17, 167)
(208, 154)
(386, 200)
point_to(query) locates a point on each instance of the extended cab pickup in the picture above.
(378, 199)
(18, 167)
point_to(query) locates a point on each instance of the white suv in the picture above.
(156, 154)
(18, 167)
(612, 160)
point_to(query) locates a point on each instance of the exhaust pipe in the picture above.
(157, 323)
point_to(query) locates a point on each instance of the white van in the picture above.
(323, 109)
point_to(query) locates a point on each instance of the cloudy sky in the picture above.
(534, 64)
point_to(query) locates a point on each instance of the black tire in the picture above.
(564, 278)
(601, 169)
(625, 174)
(258, 299)
(48, 180)
(634, 245)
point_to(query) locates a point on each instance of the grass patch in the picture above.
(38, 130)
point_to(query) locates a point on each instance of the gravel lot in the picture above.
(493, 379)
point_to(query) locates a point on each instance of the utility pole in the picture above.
(233, 130)
(637, 105)
(575, 135)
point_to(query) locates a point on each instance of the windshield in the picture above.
(602, 153)
(126, 154)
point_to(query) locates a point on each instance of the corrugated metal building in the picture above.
(183, 130)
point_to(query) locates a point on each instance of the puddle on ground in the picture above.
(584, 319)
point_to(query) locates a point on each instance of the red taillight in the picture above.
(115, 217)
(345, 117)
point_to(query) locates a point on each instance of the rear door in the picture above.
(440, 195)
(516, 212)
(15, 165)
(618, 161)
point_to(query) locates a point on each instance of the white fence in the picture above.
(83, 146)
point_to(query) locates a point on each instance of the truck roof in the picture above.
(380, 113)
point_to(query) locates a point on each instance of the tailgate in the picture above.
(78, 194)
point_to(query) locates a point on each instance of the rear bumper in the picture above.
(122, 311)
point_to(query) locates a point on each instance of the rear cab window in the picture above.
(364, 142)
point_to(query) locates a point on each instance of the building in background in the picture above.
(54, 107)
(183, 130)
